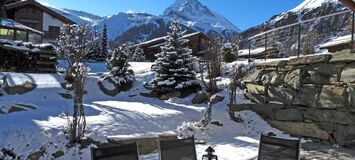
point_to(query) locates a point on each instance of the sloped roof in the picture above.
(349, 3)
(12, 24)
(160, 41)
(42, 7)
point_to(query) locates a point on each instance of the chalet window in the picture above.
(6, 33)
(53, 32)
(54, 29)
(21, 35)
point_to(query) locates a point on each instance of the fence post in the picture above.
(249, 51)
(299, 40)
(352, 30)
(265, 46)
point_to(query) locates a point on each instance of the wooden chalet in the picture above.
(349, 3)
(152, 47)
(37, 16)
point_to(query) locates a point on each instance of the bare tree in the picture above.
(74, 44)
(213, 61)
(240, 71)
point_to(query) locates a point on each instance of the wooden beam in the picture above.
(349, 3)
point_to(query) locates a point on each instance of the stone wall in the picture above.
(316, 95)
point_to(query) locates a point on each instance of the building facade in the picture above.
(34, 15)
(152, 47)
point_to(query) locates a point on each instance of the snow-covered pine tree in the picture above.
(120, 73)
(95, 52)
(138, 55)
(104, 43)
(126, 51)
(228, 52)
(174, 66)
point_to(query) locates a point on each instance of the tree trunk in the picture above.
(79, 122)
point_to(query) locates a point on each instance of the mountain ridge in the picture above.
(123, 24)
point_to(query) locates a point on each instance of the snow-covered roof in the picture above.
(337, 41)
(160, 40)
(26, 46)
(12, 24)
(245, 52)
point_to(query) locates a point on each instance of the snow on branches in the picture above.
(138, 55)
(75, 42)
(120, 73)
(174, 66)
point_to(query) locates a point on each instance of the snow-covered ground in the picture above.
(127, 114)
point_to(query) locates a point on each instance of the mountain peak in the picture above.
(311, 4)
(193, 14)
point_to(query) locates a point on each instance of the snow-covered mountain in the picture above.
(193, 14)
(138, 27)
(120, 23)
(79, 17)
(306, 10)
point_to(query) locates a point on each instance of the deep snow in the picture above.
(126, 115)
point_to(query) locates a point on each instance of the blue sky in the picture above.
(242, 13)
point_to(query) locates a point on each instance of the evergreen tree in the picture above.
(138, 55)
(126, 51)
(95, 52)
(119, 67)
(174, 66)
(104, 43)
(228, 51)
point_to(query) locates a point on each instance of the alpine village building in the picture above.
(28, 20)
(152, 47)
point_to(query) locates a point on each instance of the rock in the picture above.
(170, 95)
(281, 94)
(264, 110)
(110, 91)
(351, 93)
(348, 74)
(292, 114)
(272, 78)
(256, 89)
(216, 98)
(344, 135)
(332, 97)
(253, 76)
(36, 156)
(150, 95)
(20, 89)
(344, 56)
(16, 109)
(110, 88)
(329, 127)
(293, 78)
(322, 58)
(190, 90)
(274, 63)
(257, 98)
(66, 95)
(331, 116)
(58, 154)
(270, 68)
(200, 97)
(217, 123)
(301, 129)
(307, 96)
(320, 74)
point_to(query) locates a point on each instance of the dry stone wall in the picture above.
(315, 96)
